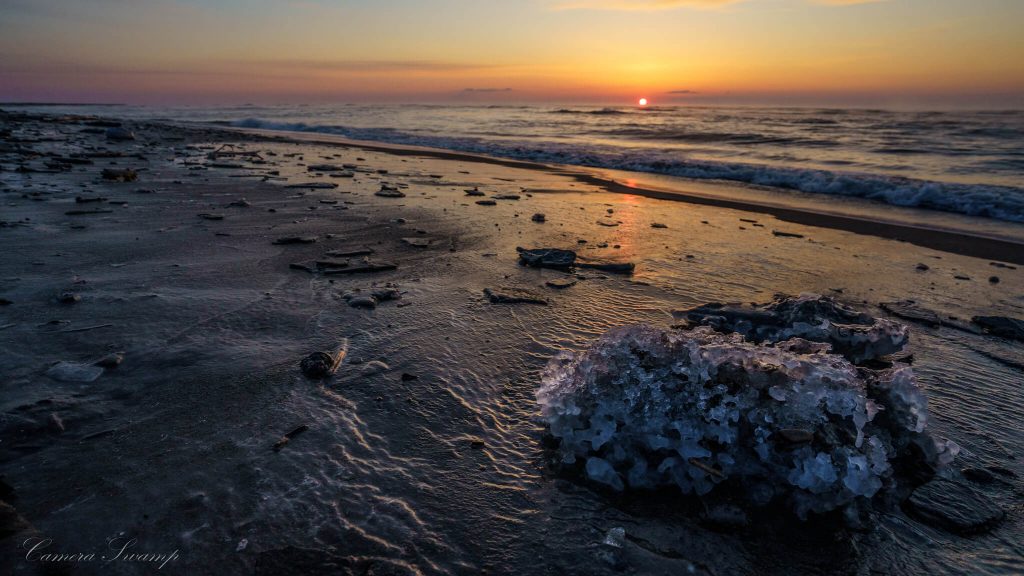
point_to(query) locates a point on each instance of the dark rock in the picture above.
(295, 240)
(512, 296)
(506, 197)
(1011, 328)
(993, 279)
(87, 199)
(126, 175)
(389, 192)
(852, 333)
(321, 364)
(782, 234)
(538, 217)
(289, 436)
(111, 360)
(349, 252)
(364, 267)
(314, 185)
(908, 310)
(118, 134)
(365, 301)
(546, 257)
(487, 202)
(954, 507)
(407, 377)
(69, 298)
(922, 267)
(658, 225)
(208, 216)
(474, 192)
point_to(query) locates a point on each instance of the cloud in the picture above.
(651, 5)
(378, 65)
(681, 92)
(640, 5)
(845, 2)
(487, 90)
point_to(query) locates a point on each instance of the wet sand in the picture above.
(423, 454)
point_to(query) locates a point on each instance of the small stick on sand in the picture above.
(288, 437)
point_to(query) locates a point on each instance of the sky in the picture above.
(849, 52)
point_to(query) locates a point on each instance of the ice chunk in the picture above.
(74, 372)
(811, 317)
(646, 407)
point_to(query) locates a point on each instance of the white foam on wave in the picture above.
(982, 200)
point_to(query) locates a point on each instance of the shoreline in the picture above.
(165, 318)
(951, 241)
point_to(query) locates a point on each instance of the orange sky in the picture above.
(881, 51)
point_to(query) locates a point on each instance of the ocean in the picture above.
(966, 162)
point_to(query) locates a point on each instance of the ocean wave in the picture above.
(598, 112)
(988, 201)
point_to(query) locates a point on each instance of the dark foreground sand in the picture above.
(423, 454)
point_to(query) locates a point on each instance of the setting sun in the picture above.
(643, 102)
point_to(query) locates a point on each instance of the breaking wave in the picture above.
(982, 200)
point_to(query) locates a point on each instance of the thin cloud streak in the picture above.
(653, 5)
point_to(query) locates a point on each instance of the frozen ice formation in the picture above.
(853, 334)
(757, 401)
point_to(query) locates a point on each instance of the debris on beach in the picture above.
(118, 134)
(319, 365)
(513, 296)
(287, 240)
(111, 360)
(909, 310)
(74, 372)
(288, 438)
(314, 185)
(538, 217)
(474, 192)
(856, 335)
(487, 202)
(1010, 328)
(125, 175)
(389, 192)
(370, 299)
(766, 401)
(783, 234)
(546, 257)
(362, 267)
